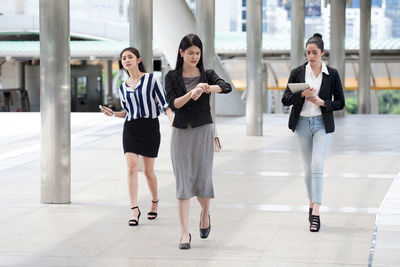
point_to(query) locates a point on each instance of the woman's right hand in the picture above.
(205, 87)
(310, 92)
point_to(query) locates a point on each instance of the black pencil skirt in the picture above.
(142, 137)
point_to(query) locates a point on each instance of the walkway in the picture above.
(259, 215)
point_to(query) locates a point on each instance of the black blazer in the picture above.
(196, 112)
(330, 86)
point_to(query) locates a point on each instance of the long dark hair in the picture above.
(137, 54)
(316, 39)
(186, 42)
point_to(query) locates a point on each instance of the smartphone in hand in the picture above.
(106, 110)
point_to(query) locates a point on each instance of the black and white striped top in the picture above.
(146, 100)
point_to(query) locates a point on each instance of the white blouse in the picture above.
(310, 109)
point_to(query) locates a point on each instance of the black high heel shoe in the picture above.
(315, 223)
(134, 222)
(185, 245)
(151, 215)
(206, 231)
(309, 214)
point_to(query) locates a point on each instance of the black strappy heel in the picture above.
(315, 223)
(134, 222)
(309, 214)
(151, 215)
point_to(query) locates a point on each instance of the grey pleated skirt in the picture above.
(192, 154)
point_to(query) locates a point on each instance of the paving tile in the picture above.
(259, 214)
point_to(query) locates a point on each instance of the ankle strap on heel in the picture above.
(155, 202)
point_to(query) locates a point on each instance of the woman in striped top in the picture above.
(142, 98)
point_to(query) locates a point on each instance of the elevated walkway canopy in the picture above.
(385, 58)
(106, 39)
(228, 45)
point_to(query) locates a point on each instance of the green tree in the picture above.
(389, 101)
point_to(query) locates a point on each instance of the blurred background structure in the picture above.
(99, 30)
(61, 56)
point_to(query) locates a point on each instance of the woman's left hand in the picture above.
(170, 116)
(196, 93)
(316, 101)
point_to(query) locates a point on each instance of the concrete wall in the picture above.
(10, 75)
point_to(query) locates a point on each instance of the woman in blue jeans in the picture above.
(311, 118)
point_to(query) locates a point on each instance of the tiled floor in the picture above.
(259, 214)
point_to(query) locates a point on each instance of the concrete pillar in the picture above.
(55, 102)
(277, 101)
(297, 33)
(254, 68)
(141, 30)
(164, 69)
(374, 102)
(205, 28)
(264, 83)
(108, 96)
(21, 74)
(338, 33)
(25, 104)
(364, 82)
(141, 35)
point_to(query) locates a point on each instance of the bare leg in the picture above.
(315, 210)
(311, 204)
(205, 210)
(148, 167)
(183, 206)
(132, 173)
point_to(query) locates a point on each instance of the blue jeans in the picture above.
(314, 144)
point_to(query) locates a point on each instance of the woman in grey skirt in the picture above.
(188, 90)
